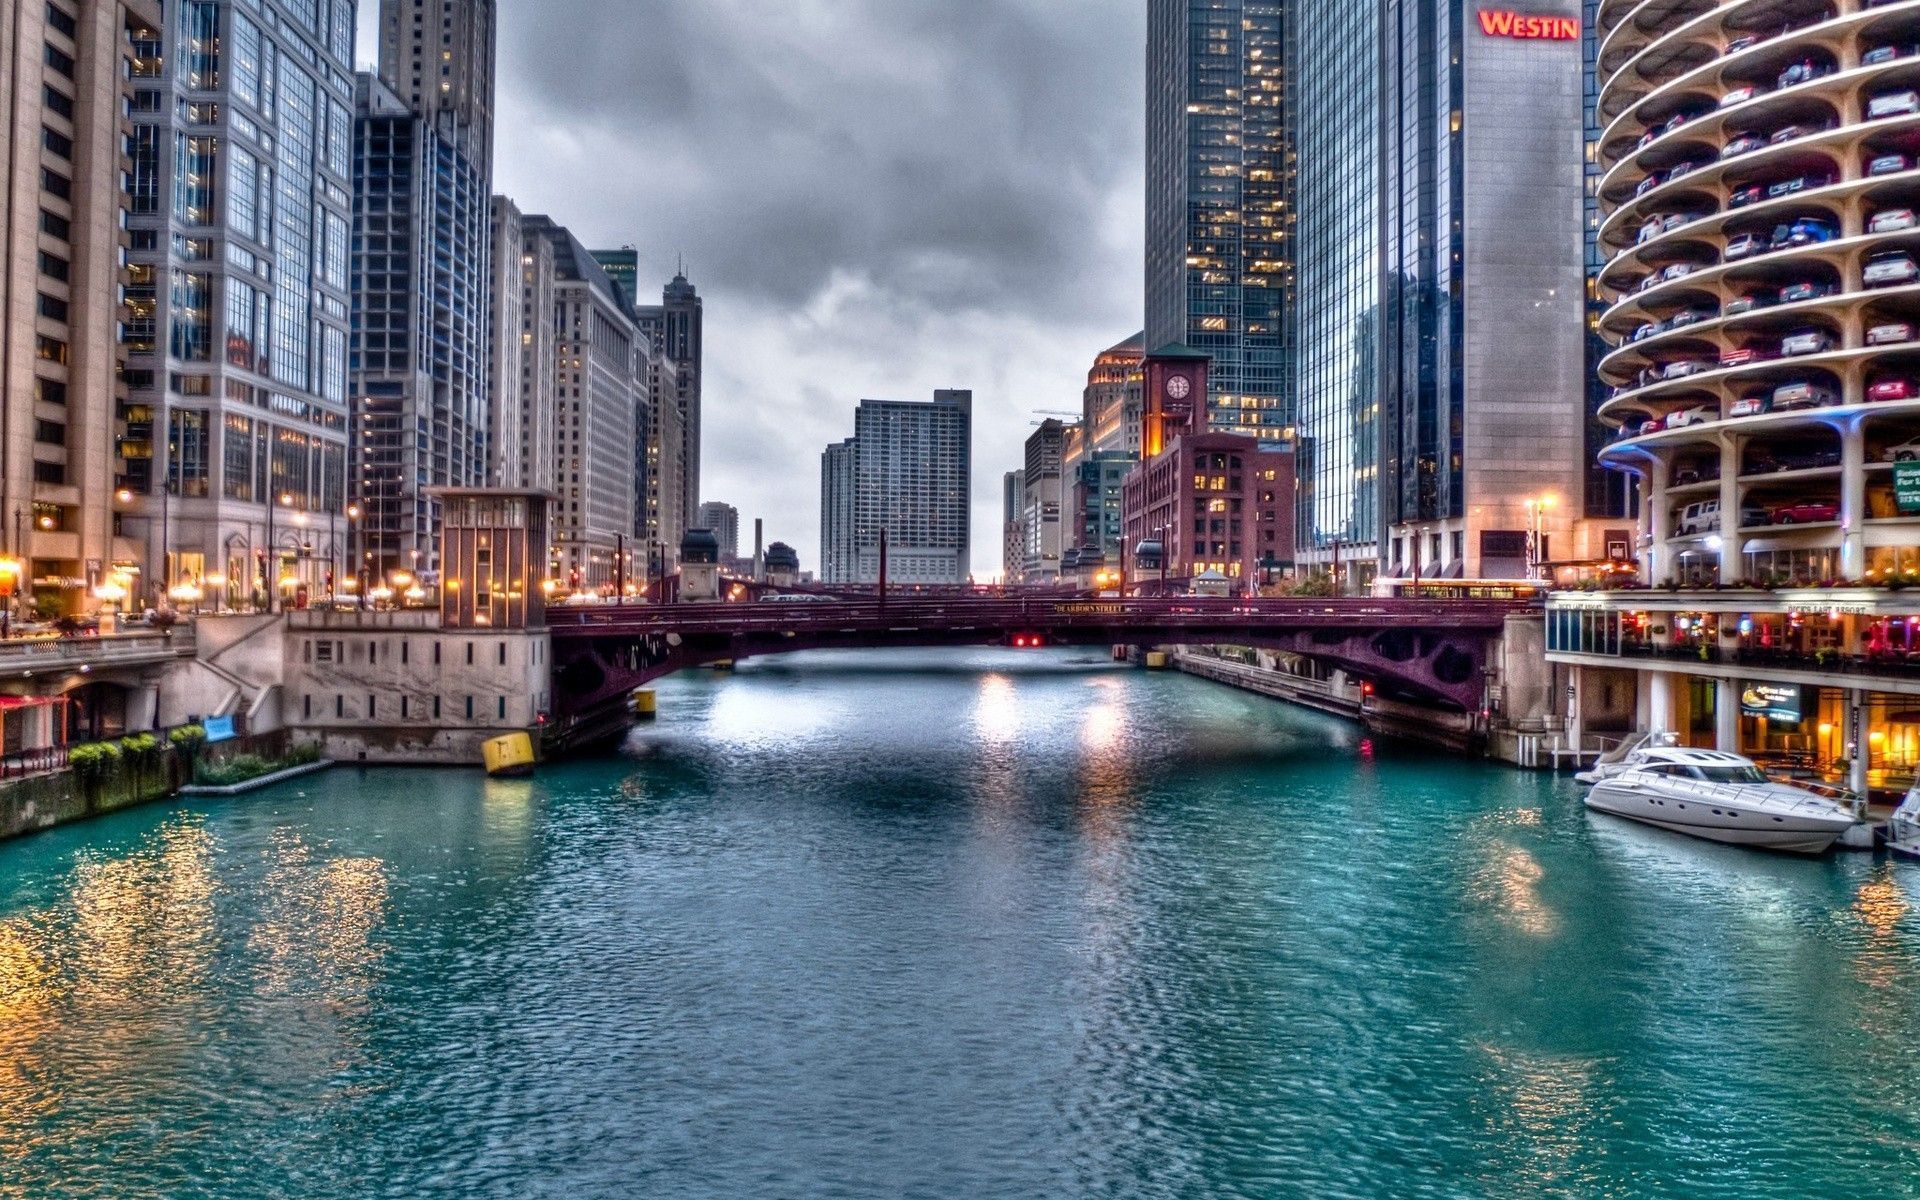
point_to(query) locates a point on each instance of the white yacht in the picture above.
(1903, 831)
(1630, 753)
(1721, 797)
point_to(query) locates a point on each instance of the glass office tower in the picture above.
(235, 431)
(1337, 320)
(1483, 460)
(1219, 206)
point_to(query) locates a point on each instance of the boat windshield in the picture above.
(1743, 773)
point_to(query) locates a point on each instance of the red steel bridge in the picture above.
(1429, 651)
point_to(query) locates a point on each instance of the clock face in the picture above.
(1178, 387)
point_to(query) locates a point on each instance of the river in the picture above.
(949, 924)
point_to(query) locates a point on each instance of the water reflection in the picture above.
(1019, 926)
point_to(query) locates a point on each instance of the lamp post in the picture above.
(1537, 507)
(353, 545)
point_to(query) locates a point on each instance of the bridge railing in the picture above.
(964, 613)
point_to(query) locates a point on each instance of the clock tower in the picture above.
(1175, 379)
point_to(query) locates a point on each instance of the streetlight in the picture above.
(1536, 533)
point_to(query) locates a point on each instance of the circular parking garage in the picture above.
(1760, 199)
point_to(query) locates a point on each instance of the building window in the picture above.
(51, 307)
(60, 61)
(56, 143)
(55, 184)
(54, 267)
(53, 433)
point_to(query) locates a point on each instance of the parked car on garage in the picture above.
(1745, 143)
(1806, 341)
(1806, 512)
(1806, 289)
(1746, 356)
(1698, 415)
(1804, 231)
(1752, 193)
(1887, 53)
(1805, 71)
(1893, 389)
(1746, 303)
(1745, 245)
(1702, 516)
(1750, 406)
(1684, 368)
(1739, 95)
(1891, 220)
(1891, 333)
(1689, 316)
(1799, 183)
(1889, 164)
(1803, 393)
(1907, 451)
(1890, 270)
(1893, 104)
(1798, 130)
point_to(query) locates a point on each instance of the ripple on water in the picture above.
(985, 925)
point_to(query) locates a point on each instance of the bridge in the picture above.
(1426, 651)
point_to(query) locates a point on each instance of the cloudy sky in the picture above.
(875, 197)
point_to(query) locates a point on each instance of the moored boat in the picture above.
(1721, 797)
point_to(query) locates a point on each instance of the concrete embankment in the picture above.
(38, 802)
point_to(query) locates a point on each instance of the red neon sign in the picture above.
(1496, 22)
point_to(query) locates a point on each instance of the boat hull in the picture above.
(1789, 834)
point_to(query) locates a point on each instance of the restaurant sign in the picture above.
(1906, 487)
(1775, 701)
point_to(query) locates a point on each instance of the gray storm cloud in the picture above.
(876, 198)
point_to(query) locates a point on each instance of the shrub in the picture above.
(91, 760)
(238, 769)
(187, 739)
(140, 747)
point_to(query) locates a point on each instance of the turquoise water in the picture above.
(973, 924)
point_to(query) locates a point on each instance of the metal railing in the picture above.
(114, 649)
(1224, 614)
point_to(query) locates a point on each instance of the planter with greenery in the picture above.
(243, 768)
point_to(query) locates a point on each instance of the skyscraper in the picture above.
(1043, 502)
(241, 166)
(1334, 50)
(837, 563)
(421, 350)
(1013, 527)
(724, 520)
(1220, 174)
(674, 327)
(902, 479)
(597, 389)
(520, 379)
(1110, 407)
(438, 55)
(66, 89)
(1609, 493)
(670, 458)
(1482, 354)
